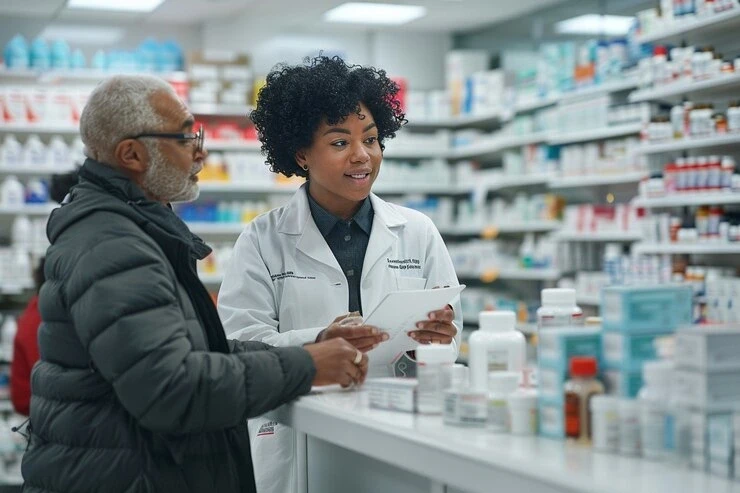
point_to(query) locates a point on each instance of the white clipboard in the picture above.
(398, 313)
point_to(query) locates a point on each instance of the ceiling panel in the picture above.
(31, 8)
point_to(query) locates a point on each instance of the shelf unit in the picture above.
(233, 145)
(715, 141)
(34, 170)
(492, 231)
(688, 249)
(677, 31)
(458, 121)
(225, 110)
(26, 128)
(28, 209)
(392, 153)
(600, 237)
(515, 274)
(220, 229)
(515, 181)
(596, 134)
(596, 180)
(588, 299)
(249, 188)
(76, 75)
(492, 146)
(680, 200)
(724, 84)
(624, 84)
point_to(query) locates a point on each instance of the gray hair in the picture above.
(120, 107)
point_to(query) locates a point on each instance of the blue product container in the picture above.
(61, 55)
(646, 309)
(16, 53)
(625, 350)
(623, 381)
(40, 56)
(78, 60)
(556, 347)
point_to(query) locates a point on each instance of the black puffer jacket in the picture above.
(127, 396)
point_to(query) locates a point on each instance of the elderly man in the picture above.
(138, 389)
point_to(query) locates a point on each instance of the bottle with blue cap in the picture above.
(16, 53)
(61, 56)
(40, 56)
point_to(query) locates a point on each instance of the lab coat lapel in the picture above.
(382, 237)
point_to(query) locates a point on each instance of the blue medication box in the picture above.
(624, 382)
(555, 347)
(646, 309)
(624, 350)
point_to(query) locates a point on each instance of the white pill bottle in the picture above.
(496, 346)
(559, 309)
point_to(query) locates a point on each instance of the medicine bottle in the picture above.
(579, 390)
(605, 421)
(629, 427)
(558, 309)
(501, 384)
(433, 372)
(654, 397)
(495, 346)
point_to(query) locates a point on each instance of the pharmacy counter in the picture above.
(345, 446)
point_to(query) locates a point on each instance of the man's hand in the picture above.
(350, 328)
(438, 328)
(338, 361)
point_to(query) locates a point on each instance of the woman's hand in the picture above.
(438, 328)
(350, 327)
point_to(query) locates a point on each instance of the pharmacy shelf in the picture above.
(599, 237)
(515, 181)
(419, 188)
(247, 188)
(226, 110)
(688, 249)
(28, 209)
(422, 153)
(14, 289)
(680, 29)
(211, 279)
(717, 141)
(493, 146)
(34, 170)
(76, 75)
(715, 87)
(688, 199)
(233, 145)
(380, 189)
(215, 228)
(606, 88)
(492, 231)
(596, 134)
(596, 180)
(588, 299)
(514, 274)
(39, 129)
(483, 119)
(536, 104)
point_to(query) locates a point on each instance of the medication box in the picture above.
(629, 350)
(395, 394)
(646, 309)
(624, 382)
(715, 391)
(552, 420)
(720, 437)
(557, 346)
(708, 348)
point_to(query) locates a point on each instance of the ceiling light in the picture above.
(374, 13)
(122, 6)
(83, 35)
(610, 25)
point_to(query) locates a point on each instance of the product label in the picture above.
(550, 383)
(653, 431)
(472, 409)
(551, 420)
(572, 415)
(429, 388)
(498, 360)
(629, 434)
(613, 346)
(498, 419)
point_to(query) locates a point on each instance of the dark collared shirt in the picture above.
(348, 241)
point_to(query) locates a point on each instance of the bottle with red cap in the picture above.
(579, 390)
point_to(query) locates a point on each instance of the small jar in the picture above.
(629, 427)
(501, 384)
(605, 419)
(434, 362)
(523, 412)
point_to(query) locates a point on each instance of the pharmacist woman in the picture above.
(335, 247)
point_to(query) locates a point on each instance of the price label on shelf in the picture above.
(490, 275)
(490, 233)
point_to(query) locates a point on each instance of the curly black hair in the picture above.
(295, 100)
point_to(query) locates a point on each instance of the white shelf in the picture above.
(422, 153)
(616, 237)
(690, 144)
(25, 128)
(677, 31)
(494, 145)
(211, 279)
(459, 121)
(596, 180)
(518, 181)
(605, 88)
(204, 109)
(77, 75)
(511, 228)
(517, 274)
(524, 106)
(588, 300)
(596, 134)
(678, 89)
(695, 248)
(233, 145)
(380, 189)
(254, 188)
(207, 228)
(34, 170)
(29, 209)
(689, 199)
(419, 188)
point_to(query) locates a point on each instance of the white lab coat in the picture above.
(284, 286)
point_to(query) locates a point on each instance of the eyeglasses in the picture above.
(197, 137)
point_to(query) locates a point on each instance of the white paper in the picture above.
(398, 313)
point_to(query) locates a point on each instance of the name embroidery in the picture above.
(290, 275)
(404, 264)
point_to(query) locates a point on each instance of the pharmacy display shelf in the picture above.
(392, 153)
(597, 180)
(233, 145)
(726, 84)
(588, 299)
(516, 181)
(492, 231)
(483, 119)
(76, 75)
(595, 134)
(216, 228)
(246, 188)
(225, 110)
(688, 199)
(619, 85)
(716, 141)
(513, 274)
(28, 209)
(491, 147)
(24, 128)
(710, 248)
(209, 187)
(692, 27)
(535, 104)
(211, 279)
(26, 170)
(599, 237)
(419, 188)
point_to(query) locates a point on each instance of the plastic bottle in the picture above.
(40, 56)
(526, 251)
(21, 233)
(559, 309)
(501, 384)
(433, 372)
(522, 406)
(629, 427)
(59, 153)
(77, 151)
(733, 117)
(78, 60)
(37, 192)
(12, 193)
(11, 153)
(495, 346)
(16, 54)
(653, 398)
(613, 263)
(728, 169)
(7, 334)
(34, 152)
(605, 421)
(61, 55)
(579, 390)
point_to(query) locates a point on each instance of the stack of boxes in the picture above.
(707, 381)
(556, 347)
(633, 318)
(220, 78)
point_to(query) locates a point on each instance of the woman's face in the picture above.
(343, 162)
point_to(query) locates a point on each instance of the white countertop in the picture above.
(476, 460)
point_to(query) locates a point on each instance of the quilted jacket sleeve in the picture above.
(124, 307)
